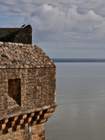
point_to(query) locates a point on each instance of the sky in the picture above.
(63, 28)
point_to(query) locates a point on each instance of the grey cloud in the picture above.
(58, 23)
(62, 20)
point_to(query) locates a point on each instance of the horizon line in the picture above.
(77, 60)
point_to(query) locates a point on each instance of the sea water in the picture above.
(80, 114)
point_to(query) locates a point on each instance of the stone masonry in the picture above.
(27, 91)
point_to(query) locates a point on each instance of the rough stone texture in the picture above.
(30, 67)
(36, 132)
(36, 72)
(37, 89)
(15, 55)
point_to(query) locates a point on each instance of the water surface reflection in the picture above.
(80, 114)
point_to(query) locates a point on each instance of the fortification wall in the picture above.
(27, 87)
(36, 132)
(37, 89)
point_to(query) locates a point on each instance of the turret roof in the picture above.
(17, 55)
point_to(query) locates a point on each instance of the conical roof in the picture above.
(17, 55)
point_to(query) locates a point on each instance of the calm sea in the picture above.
(80, 114)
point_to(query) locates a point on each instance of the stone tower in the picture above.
(27, 91)
(17, 35)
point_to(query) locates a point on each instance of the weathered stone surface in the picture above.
(27, 91)
(37, 89)
(26, 127)
(37, 132)
(14, 55)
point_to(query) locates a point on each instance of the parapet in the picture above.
(17, 35)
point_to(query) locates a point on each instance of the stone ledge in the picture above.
(15, 123)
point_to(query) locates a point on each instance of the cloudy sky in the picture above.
(64, 28)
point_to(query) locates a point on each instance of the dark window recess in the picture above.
(14, 90)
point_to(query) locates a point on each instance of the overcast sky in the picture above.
(64, 28)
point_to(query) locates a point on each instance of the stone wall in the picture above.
(27, 71)
(35, 132)
(37, 89)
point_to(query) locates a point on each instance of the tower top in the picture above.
(17, 35)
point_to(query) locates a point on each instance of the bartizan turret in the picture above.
(27, 87)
